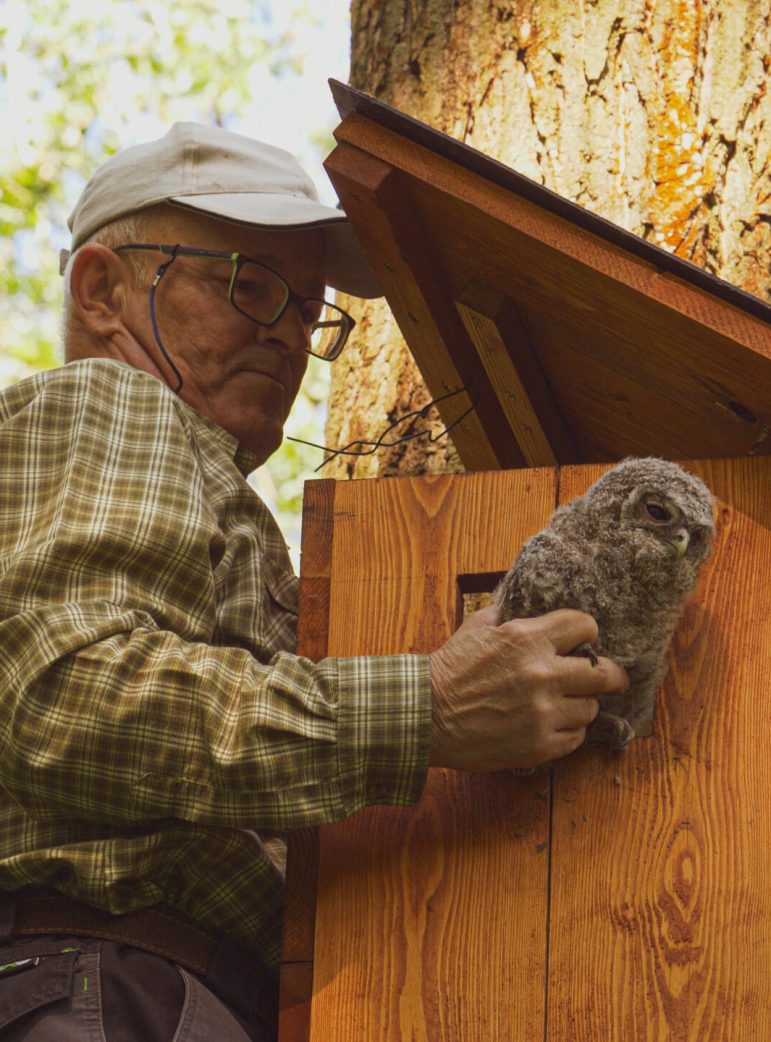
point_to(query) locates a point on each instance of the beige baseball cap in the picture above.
(228, 176)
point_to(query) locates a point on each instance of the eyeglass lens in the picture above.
(261, 295)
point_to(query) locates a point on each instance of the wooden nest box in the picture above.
(625, 895)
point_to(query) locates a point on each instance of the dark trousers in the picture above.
(69, 971)
(76, 989)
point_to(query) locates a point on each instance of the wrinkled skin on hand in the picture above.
(509, 696)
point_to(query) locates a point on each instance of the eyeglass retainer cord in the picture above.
(158, 276)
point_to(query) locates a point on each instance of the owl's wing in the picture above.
(547, 575)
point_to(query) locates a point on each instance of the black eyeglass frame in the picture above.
(239, 260)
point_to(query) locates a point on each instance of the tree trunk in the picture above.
(652, 113)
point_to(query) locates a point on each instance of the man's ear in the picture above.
(100, 285)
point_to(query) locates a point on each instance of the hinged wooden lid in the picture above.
(574, 340)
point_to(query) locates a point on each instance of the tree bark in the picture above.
(652, 113)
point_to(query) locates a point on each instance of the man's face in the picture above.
(243, 376)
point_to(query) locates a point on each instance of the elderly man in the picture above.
(157, 728)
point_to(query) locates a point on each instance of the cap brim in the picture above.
(347, 268)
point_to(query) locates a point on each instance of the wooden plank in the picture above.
(463, 156)
(302, 844)
(615, 415)
(700, 390)
(430, 920)
(506, 351)
(660, 921)
(296, 995)
(401, 543)
(407, 270)
(312, 641)
(315, 568)
(509, 388)
(686, 368)
(453, 184)
(300, 896)
(695, 367)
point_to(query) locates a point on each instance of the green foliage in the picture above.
(280, 481)
(80, 80)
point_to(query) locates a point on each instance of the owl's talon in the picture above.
(585, 650)
(608, 729)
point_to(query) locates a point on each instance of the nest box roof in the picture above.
(573, 339)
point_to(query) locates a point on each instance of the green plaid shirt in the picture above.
(154, 718)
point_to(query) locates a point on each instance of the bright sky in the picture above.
(303, 104)
(286, 111)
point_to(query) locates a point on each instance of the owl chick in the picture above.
(627, 552)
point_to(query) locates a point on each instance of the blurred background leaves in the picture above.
(80, 80)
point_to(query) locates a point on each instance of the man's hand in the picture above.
(508, 696)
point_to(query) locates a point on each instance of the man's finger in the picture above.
(580, 678)
(576, 714)
(566, 628)
(568, 742)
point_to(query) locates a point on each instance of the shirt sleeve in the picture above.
(118, 705)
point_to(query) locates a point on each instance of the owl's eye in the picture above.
(657, 512)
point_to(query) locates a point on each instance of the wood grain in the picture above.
(431, 920)
(636, 360)
(406, 269)
(683, 366)
(509, 387)
(660, 921)
(303, 844)
(517, 341)
(638, 908)
(454, 185)
(316, 568)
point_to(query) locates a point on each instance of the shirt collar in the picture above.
(244, 460)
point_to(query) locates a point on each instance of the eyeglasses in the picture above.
(262, 295)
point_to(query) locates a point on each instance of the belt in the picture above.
(233, 972)
(151, 929)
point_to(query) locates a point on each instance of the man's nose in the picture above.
(292, 330)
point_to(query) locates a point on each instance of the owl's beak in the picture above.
(680, 542)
